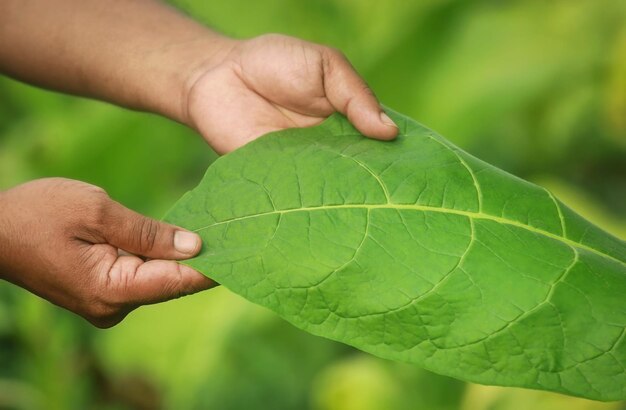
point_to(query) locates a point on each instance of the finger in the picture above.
(140, 235)
(351, 96)
(134, 282)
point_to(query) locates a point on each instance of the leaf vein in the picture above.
(422, 208)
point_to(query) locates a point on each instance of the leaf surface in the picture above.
(414, 250)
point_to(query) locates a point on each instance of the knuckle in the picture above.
(100, 208)
(102, 315)
(173, 290)
(97, 192)
(334, 53)
(148, 231)
(367, 90)
(330, 50)
(83, 202)
(333, 61)
(327, 62)
(71, 185)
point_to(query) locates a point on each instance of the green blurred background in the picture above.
(537, 88)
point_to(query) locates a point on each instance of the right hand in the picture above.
(273, 82)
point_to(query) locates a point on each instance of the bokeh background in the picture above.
(537, 88)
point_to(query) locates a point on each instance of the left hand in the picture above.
(274, 82)
(60, 239)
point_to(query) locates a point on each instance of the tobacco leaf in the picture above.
(416, 251)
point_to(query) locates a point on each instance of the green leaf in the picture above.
(414, 250)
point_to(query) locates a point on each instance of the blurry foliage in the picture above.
(537, 88)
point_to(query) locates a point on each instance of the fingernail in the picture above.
(186, 242)
(386, 120)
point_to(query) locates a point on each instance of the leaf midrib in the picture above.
(423, 208)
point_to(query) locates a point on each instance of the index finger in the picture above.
(350, 95)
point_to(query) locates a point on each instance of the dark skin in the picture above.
(66, 240)
(60, 240)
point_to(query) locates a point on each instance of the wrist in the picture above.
(178, 67)
(203, 63)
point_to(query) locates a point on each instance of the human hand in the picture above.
(147, 56)
(59, 239)
(273, 82)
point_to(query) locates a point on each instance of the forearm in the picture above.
(135, 53)
(3, 228)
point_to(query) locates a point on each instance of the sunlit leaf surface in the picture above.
(416, 251)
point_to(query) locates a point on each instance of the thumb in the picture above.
(348, 93)
(140, 235)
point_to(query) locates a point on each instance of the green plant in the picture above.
(416, 251)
